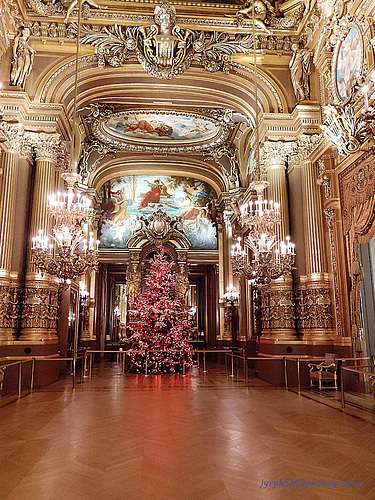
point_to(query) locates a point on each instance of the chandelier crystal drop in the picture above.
(271, 259)
(67, 254)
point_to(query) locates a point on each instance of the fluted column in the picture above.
(312, 207)
(9, 282)
(313, 291)
(40, 305)
(225, 236)
(277, 299)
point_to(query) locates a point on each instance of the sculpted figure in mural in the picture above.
(23, 57)
(259, 9)
(299, 66)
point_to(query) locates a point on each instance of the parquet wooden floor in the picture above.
(169, 437)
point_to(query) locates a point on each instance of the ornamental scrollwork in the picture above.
(40, 308)
(230, 152)
(314, 308)
(164, 49)
(345, 130)
(10, 302)
(158, 229)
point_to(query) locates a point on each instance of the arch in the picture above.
(125, 164)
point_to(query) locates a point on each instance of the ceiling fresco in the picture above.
(126, 199)
(160, 127)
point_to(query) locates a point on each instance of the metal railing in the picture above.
(87, 357)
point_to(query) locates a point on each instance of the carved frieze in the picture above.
(10, 303)
(314, 309)
(278, 309)
(40, 308)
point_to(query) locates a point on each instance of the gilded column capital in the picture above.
(303, 148)
(275, 154)
(46, 146)
(17, 139)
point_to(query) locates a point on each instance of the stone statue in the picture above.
(23, 57)
(165, 41)
(258, 8)
(299, 66)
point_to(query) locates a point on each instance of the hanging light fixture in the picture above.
(270, 258)
(67, 253)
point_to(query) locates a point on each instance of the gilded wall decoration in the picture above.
(10, 303)
(278, 309)
(23, 58)
(357, 185)
(164, 49)
(345, 130)
(300, 69)
(314, 309)
(40, 308)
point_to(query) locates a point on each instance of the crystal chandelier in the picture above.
(271, 258)
(231, 295)
(66, 253)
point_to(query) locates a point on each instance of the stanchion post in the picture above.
(146, 372)
(183, 365)
(237, 367)
(90, 372)
(342, 387)
(232, 374)
(82, 370)
(85, 365)
(298, 376)
(74, 373)
(204, 362)
(285, 373)
(226, 364)
(32, 374)
(246, 371)
(19, 378)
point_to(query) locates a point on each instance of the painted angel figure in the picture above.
(259, 9)
(23, 57)
(300, 69)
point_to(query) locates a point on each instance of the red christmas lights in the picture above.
(161, 330)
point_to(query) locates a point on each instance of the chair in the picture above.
(324, 373)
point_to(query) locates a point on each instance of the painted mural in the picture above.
(125, 199)
(161, 126)
(349, 63)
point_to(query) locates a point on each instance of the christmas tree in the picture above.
(161, 323)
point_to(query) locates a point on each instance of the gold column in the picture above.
(277, 299)
(224, 231)
(314, 307)
(40, 305)
(9, 282)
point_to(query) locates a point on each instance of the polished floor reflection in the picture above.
(170, 437)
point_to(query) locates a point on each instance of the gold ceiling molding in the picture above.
(125, 163)
(132, 85)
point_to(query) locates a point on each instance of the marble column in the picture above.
(277, 299)
(40, 304)
(10, 286)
